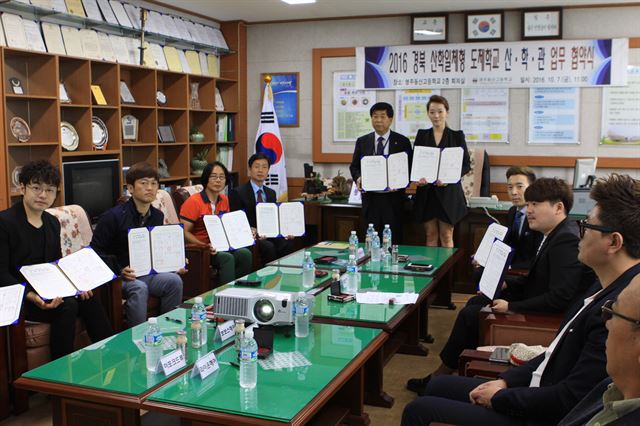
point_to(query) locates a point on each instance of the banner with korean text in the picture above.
(553, 63)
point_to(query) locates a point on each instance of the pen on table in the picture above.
(176, 320)
(232, 364)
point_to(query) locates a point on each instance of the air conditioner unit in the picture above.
(255, 305)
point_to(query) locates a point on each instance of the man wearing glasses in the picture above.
(545, 389)
(29, 235)
(111, 241)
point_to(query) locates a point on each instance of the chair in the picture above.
(510, 327)
(29, 341)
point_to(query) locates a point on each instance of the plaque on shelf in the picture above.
(98, 96)
(15, 178)
(20, 129)
(161, 98)
(165, 134)
(129, 128)
(64, 96)
(16, 86)
(125, 93)
(195, 99)
(69, 136)
(99, 133)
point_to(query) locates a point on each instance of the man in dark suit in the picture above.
(381, 208)
(545, 389)
(245, 197)
(555, 274)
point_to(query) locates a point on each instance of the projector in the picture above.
(255, 305)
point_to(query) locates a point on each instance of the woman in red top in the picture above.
(231, 264)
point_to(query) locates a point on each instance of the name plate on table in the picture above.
(172, 362)
(205, 366)
(225, 331)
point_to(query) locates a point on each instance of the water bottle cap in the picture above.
(371, 225)
(386, 226)
(248, 333)
(198, 299)
(302, 294)
(307, 253)
(352, 256)
(353, 232)
(153, 320)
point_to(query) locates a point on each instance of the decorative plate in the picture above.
(161, 98)
(99, 133)
(15, 174)
(70, 138)
(20, 129)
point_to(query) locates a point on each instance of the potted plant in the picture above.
(199, 161)
(196, 135)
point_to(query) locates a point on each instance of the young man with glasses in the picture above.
(111, 241)
(29, 235)
(545, 389)
(211, 200)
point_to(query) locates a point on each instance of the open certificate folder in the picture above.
(380, 173)
(494, 232)
(156, 249)
(80, 271)
(495, 268)
(280, 220)
(437, 164)
(10, 303)
(229, 231)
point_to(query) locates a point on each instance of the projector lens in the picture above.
(263, 310)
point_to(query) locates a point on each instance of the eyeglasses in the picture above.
(37, 189)
(217, 177)
(582, 225)
(608, 313)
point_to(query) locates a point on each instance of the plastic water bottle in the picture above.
(375, 248)
(386, 239)
(353, 243)
(199, 313)
(248, 360)
(308, 271)
(351, 281)
(153, 344)
(369, 238)
(301, 312)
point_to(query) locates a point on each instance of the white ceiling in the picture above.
(276, 10)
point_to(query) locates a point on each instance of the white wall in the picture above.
(288, 48)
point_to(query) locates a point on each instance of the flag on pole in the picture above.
(268, 142)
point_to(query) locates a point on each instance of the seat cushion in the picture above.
(75, 228)
(38, 336)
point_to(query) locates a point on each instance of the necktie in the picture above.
(380, 147)
(517, 222)
(260, 199)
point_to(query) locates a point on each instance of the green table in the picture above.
(290, 395)
(108, 378)
(295, 259)
(436, 256)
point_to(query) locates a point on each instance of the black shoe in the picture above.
(418, 385)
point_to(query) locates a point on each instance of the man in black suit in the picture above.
(545, 389)
(555, 274)
(381, 208)
(245, 197)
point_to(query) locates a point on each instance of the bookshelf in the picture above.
(40, 106)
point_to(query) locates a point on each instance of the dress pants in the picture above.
(63, 322)
(167, 286)
(446, 400)
(382, 209)
(274, 248)
(232, 264)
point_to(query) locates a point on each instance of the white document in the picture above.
(14, 31)
(53, 38)
(355, 197)
(58, 5)
(46, 4)
(236, 226)
(133, 46)
(105, 47)
(167, 248)
(34, 37)
(72, 41)
(497, 263)
(107, 12)
(220, 41)
(3, 42)
(183, 60)
(204, 65)
(425, 163)
(216, 233)
(90, 44)
(451, 165)
(292, 219)
(182, 28)
(92, 9)
(133, 12)
(267, 220)
(120, 49)
(10, 303)
(374, 173)
(377, 298)
(168, 26)
(193, 31)
(494, 232)
(398, 170)
(85, 269)
(158, 56)
(120, 13)
(48, 281)
(140, 251)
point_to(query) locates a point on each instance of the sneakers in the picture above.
(418, 385)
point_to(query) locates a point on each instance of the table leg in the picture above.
(355, 387)
(374, 394)
(412, 327)
(73, 412)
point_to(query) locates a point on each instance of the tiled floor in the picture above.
(397, 371)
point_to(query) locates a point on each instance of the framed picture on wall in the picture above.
(541, 24)
(484, 25)
(286, 96)
(432, 28)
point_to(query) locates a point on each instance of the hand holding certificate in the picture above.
(10, 303)
(382, 174)
(434, 164)
(282, 220)
(156, 249)
(230, 231)
(493, 274)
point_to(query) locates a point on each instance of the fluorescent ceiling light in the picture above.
(299, 1)
(426, 32)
